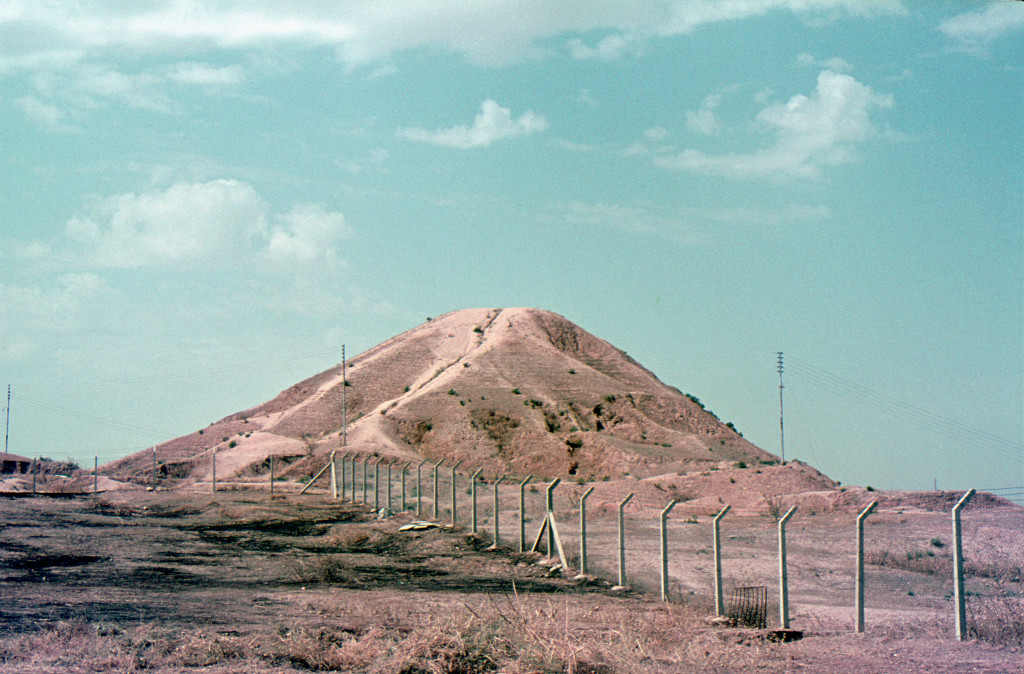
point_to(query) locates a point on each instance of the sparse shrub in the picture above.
(572, 371)
(869, 488)
(516, 391)
(775, 506)
(478, 330)
(232, 444)
(452, 392)
(610, 398)
(740, 464)
(937, 542)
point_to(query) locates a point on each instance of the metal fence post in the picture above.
(860, 563)
(522, 513)
(664, 549)
(436, 499)
(783, 579)
(96, 474)
(583, 530)
(497, 536)
(35, 459)
(153, 478)
(549, 506)
(719, 603)
(622, 542)
(271, 474)
(958, 568)
(455, 495)
(472, 493)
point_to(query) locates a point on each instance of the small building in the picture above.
(12, 464)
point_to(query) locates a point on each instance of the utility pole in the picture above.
(344, 403)
(782, 434)
(7, 430)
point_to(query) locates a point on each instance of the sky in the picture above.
(200, 202)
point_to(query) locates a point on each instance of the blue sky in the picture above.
(200, 202)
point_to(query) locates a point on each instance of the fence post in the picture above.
(497, 536)
(549, 506)
(153, 478)
(622, 542)
(404, 469)
(860, 563)
(334, 475)
(455, 495)
(419, 489)
(390, 463)
(664, 549)
(436, 499)
(366, 460)
(583, 530)
(958, 568)
(271, 474)
(352, 475)
(376, 485)
(34, 474)
(472, 493)
(96, 474)
(783, 579)
(522, 513)
(719, 603)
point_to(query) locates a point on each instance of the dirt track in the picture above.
(155, 581)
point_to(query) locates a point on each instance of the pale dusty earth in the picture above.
(242, 581)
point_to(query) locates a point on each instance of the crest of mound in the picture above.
(523, 391)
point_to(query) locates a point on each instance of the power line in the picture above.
(903, 410)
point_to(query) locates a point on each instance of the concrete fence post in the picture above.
(376, 485)
(405, 468)
(958, 568)
(271, 474)
(387, 505)
(716, 536)
(334, 475)
(497, 535)
(622, 541)
(522, 513)
(472, 494)
(783, 579)
(664, 549)
(860, 563)
(436, 499)
(341, 476)
(34, 466)
(455, 495)
(96, 474)
(352, 474)
(549, 507)
(419, 489)
(366, 469)
(583, 530)
(153, 477)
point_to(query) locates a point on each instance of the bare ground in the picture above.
(179, 581)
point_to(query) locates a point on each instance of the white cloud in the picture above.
(185, 224)
(610, 48)
(975, 30)
(43, 114)
(810, 132)
(492, 123)
(194, 225)
(368, 31)
(836, 64)
(703, 120)
(202, 74)
(308, 233)
(33, 313)
(656, 134)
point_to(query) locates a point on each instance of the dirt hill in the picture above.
(522, 391)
